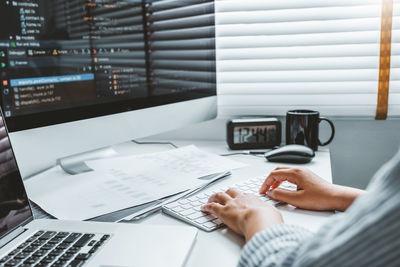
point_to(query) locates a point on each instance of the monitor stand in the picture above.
(75, 164)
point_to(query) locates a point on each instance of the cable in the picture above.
(258, 154)
(247, 153)
(155, 143)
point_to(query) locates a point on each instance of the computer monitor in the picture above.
(84, 74)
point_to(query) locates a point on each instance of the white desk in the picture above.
(222, 247)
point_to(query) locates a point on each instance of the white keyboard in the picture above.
(189, 209)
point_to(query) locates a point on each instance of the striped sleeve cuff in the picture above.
(274, 246)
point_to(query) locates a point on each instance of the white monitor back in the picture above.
(38, 149)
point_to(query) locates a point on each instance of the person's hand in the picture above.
(312, 193)
(245, 214)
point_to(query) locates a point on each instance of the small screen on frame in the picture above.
(255, 134)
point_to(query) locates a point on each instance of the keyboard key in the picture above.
(49, 259)
(59, 263)
(183, 201)
(21, 255)
(4, 259)
(98, 244)
(202, 220)
(72, 237)
(63, 246)
(73, 250)
(62, 234)
(195, 215)
(38, 233)
(202, 197)
(173, 205)
(29, 249)
(13, 262)
(47, 247)
(30, 260)
(105, 237)
(76, 263)
(66, 257)
(14, 252)
(38, 242)
(42, 263)
(83, 256)
(209, 224)
(32, 238)
(186, 206)
(55, 252)
(55, 240)
(83, 240)
(218, 222)
(196, 203)
(93, 250)
(187, 212)
(23, 245)
(211, 217)
(191, 199)
(47, 235)
(178, 209)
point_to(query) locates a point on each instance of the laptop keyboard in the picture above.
(49, 248)
(189, 209)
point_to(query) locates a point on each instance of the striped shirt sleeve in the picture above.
(274, 247)
(367, 234)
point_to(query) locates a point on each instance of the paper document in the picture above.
(123, 182)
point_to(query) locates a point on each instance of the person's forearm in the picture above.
(256, 221)
(344, 196)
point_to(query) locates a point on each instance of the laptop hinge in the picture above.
(11, 236)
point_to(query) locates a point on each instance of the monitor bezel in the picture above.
(49, 118)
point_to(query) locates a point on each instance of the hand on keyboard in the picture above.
(189, 209)
(243, 213)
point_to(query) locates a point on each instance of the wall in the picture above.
(360, 146)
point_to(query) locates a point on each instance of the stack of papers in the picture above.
(123, 182)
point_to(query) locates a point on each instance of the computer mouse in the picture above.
(291, 154)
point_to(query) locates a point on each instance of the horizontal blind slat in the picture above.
(191, 44)
(184, 55)
(288, 88)
(299, 99)
(300, 52)
(321, 63)
(339, 38)
(191, 22)
(293, 15)
(253, 5)
(298, 76)
(195, 65)
(300, 27)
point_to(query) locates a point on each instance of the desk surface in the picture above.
(222, 247)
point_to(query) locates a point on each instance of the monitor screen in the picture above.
(67, 60)
(14, 205)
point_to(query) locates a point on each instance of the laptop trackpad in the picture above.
(156, 246)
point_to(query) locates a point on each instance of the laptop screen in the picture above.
(14, 204)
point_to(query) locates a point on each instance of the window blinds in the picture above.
(170, 44)
(120, 29)
(273, 56)
(182, 44)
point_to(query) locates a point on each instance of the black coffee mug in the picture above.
(302, 128)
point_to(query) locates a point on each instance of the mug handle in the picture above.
(333, 132)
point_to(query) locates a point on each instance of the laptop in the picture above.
(25, 241)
